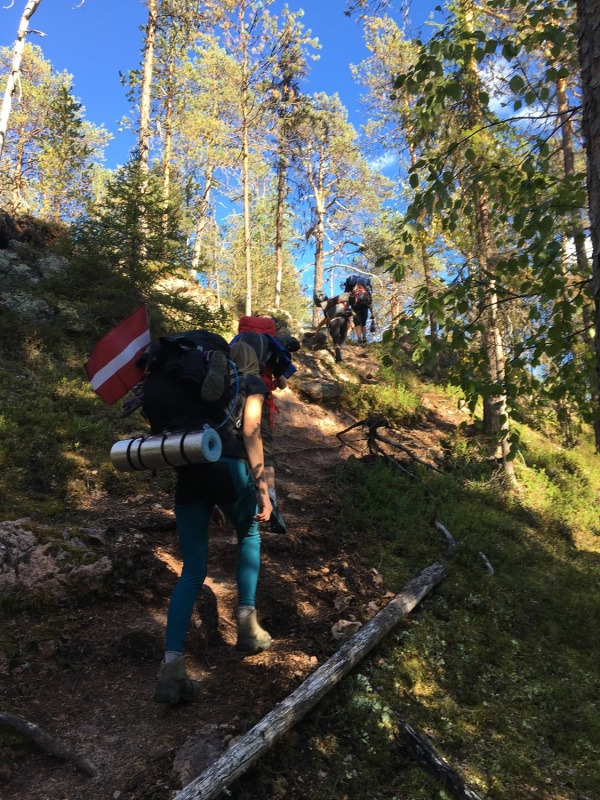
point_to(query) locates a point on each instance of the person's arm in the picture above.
(254, 451)
(320, 325)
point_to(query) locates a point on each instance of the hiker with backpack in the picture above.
(361, 301)
(273, 353)
(236, 483)
(337, 316)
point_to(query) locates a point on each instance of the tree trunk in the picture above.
(245, 79)
(426, 261)
(495, 408)
(578, 233)
(201, 224)
(589, 58)
(247, 750)
(15, 67)
(394, 307)
(319, 254)
(279, 218)
(146, 98)
(18, 201)
(168, 150)
(433, 330)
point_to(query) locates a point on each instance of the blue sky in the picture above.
(100, 38)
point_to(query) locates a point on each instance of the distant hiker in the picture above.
(273, 353)
(338, 318)
(237, 484)
(361, 301)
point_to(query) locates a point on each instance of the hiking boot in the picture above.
(276, 522)
(214, 383)
(338, 355)
(251, 638)
(173, 684)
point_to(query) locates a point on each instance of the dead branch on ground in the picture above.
(488, 566)
(424, 753)
(449, 538)
(372, 424)
(50, 745)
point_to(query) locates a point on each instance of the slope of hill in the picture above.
(498, 667)
(85, 670)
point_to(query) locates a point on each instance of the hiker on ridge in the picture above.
(237, 483)
(338, 318)
(361, 302)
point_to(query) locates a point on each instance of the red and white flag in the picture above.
(111, 367)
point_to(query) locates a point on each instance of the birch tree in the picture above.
(13, 75)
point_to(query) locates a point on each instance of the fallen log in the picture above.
(54, 747)
(250, 747)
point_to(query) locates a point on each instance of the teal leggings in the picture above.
(192, 526)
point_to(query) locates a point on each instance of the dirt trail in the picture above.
(87, 677)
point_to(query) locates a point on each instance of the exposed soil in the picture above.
(88, 679)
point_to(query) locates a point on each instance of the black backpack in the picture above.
(176, 367)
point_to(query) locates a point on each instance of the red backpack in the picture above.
(257, 325)
(263, 325)
(360, 297)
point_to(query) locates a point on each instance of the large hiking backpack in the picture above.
(257, 325)
(273, 358)
(360, 297)
(337, 306)
(358, 280)
(262, 346)
(265, 326)
(272, 351)
(176, 367)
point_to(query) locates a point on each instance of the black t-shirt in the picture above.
(233, 442)
(204, 481)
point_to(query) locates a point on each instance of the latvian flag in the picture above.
(111, 367)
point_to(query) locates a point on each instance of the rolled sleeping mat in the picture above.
(166, 450)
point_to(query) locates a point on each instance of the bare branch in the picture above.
(48, 743)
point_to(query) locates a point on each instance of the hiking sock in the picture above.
(244, 611)
(171, 655)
